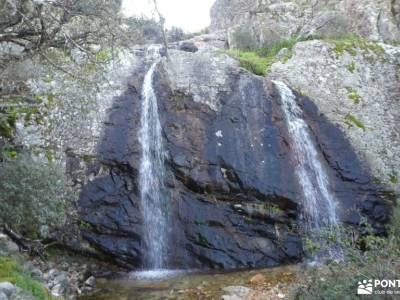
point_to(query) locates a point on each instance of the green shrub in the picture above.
(6, 130)
(251, 61)
(10, 115)
(176, 34)
(353, 95)
(258, 61)
(200, 32)
(365, 257)
(352, 120)
(274, 49)
(33, 192)
(351, 66)
(393, 178)
(369, 50)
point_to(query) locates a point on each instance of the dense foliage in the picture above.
(73, 37)
(33, 192)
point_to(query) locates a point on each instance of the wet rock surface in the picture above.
(231, 191)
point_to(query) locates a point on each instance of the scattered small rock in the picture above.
(20, 294)
(7, 246)
(258, 279)
(85, 290)
(50, 274)
(7, 288)
(236, 292)
(283, 53)
(231, 297)
(58, 290)
(91, 281)
(31, 269)
(44, 232)
(37, 274)
(3, 296)
(61, 278)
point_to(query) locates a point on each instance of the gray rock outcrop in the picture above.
(7, 288)
(260, 23)
(357, 89)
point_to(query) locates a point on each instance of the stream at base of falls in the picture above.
(184, 285)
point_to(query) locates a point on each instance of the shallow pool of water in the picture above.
(178, 284)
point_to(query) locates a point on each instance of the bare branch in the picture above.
(162, 26)
(57, 66)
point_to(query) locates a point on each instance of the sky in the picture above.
(191, 15)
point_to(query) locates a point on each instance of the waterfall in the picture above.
(319, 203)
(151, 177)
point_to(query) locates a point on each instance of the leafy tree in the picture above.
(33, 26)
(144, 30)
(176, 34)
(33, 192)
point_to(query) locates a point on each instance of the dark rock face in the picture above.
(358, 194)
(232, 193)
(228, 180)
(188, 47)
(110, 203)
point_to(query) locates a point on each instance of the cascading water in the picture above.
(319, 204)
(151, 183)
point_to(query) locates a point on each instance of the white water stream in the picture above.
(318, 201)
(151, 183)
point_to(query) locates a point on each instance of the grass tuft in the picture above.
(11, 272)
(259, 61)
(351, 67)
(353, 95)
(352, 120)
(370, 50)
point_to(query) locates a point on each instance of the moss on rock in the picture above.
(354, 44)
(352, 120)
(353, 95)
(259, 61)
